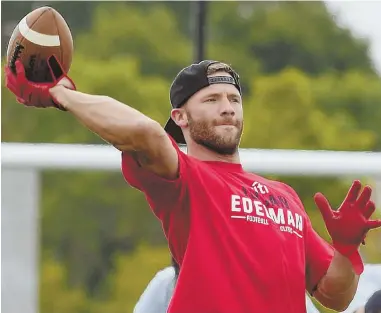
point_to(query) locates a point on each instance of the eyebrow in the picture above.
(237, 95)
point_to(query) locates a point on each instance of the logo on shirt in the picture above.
(259, 188)
(252, 209)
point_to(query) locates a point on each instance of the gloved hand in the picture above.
(37, 94)
(349, 225)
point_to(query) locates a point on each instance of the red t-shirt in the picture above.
(244, 243)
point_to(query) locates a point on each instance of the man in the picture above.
(157, 295)
(238, 237)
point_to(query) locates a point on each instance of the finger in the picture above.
(20, 71)
(8, 72)
(10, 77)
(10, 86)
(55, 68)
(372, 224)
(353, 192)
(364, 197)
(67, 83)
(20, 100)
(369, 209)
(324, 206)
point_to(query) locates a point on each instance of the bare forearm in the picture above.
(338, 287)
(112, 120)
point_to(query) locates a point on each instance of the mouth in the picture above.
(227, 127)
(227, 124)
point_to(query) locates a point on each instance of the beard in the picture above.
(204, 133)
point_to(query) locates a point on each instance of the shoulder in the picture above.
(291, 192)
(283, 188)
(286, 193)
(166, 274)
(156, 296)
(162, 279)
(286, 188)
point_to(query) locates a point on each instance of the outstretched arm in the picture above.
(124, 127)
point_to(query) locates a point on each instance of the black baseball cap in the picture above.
(189, 81)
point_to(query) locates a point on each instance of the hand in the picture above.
(349, 225)
(37, 94)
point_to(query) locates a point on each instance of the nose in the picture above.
(226, 107)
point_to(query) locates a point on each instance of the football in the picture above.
(40, 34)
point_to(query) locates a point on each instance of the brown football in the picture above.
(40, 34)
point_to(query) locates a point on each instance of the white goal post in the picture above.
(20, 177)
(283, 162)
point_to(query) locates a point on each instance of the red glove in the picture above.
(37, 94)
(349, 225)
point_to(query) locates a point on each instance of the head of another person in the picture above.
(207, 107)
(373, 305)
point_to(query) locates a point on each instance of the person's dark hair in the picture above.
(373, 305)
(175, 266)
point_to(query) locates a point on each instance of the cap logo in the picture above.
(221, 80)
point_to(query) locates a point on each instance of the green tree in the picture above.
(55, 295)
(150, 34)
(283, 34)
(353, 94)
(131, 275)
(287, 99)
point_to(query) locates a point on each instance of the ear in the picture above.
(180, 117)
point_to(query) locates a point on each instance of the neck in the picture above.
(204, 154)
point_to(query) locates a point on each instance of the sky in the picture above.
(364, 19)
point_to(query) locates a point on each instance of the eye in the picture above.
(210, 100)
(236, 100)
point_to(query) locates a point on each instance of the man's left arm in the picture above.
(333, 271)
(337, 288)
(330, 276)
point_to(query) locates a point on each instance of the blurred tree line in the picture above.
(308, 84)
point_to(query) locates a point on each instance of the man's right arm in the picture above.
(124, 127)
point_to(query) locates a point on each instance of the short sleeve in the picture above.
(319, 254)
(162, 194)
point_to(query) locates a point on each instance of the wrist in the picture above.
(352, 255)
(60, 97)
